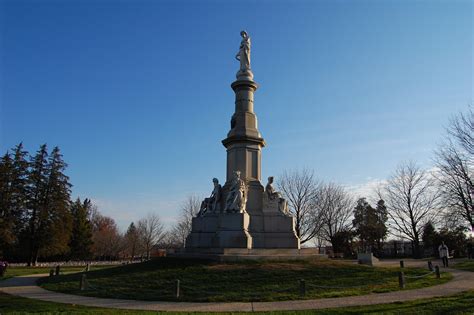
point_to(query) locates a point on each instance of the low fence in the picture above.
(402, 278)
(74, 263)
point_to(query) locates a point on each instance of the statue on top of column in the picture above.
(244, 57)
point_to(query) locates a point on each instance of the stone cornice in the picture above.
(243, 139)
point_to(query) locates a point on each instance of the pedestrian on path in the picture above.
(444, 254)
(3, 267)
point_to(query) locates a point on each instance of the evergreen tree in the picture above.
(430, 238)
(58, 223)
(20, 192)
(81, 237)
(14, 171)
(38, 186)
(50, 221)
(455, 239)
(7, 235)
(342, 243)
(369, 224)
(382, 216)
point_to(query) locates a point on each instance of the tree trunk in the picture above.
(32, 241)
(416, 248)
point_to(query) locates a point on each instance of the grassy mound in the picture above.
(204, 281)
(467, 265)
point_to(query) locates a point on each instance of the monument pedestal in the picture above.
(223, 230)
(239, 254)
(240, 230)
(273, 231)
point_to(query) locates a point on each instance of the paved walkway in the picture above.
(25, 286)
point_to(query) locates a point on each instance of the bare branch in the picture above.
(461, 128)
(151, 231)
(334, 205)
(454, 178)
(412, 200)
(181, 230)
(300, 189)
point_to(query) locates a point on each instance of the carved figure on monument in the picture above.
(237, 196)
(273, 198)
(244, 56)
(213, 203)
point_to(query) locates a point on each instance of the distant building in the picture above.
(397, 248)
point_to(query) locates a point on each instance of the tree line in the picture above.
(35, 216)
(410, 202)
(39, 221)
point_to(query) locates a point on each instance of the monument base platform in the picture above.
(240, 254)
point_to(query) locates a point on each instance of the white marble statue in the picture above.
(274, 198)
(237, 196)
(244, 56)
(213, 203)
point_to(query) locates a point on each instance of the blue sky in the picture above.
(137, 93)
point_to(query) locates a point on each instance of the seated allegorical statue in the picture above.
(273, 198)
(237, 196)
(213, 203)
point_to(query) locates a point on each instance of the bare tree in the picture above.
(412, 199)
(461, 129)
(334, 205)
(169, 240)
(151, 232)
(94, 213)
(455, 171)
(182, 228)
(300, 189)
(132, 242)
(454, 159)
(107, 241)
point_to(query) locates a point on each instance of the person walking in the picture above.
(444, 254)
(3, 268)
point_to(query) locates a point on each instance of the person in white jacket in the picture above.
(444, 254)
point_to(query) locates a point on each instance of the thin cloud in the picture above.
(368, 189)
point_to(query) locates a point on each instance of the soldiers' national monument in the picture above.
(243, 217)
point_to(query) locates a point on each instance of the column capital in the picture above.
(240, 84)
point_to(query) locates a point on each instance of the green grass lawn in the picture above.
(23, 271)
(203, 281)
(456, 304)
(467, 265)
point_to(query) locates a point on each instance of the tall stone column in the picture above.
(244, 143)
